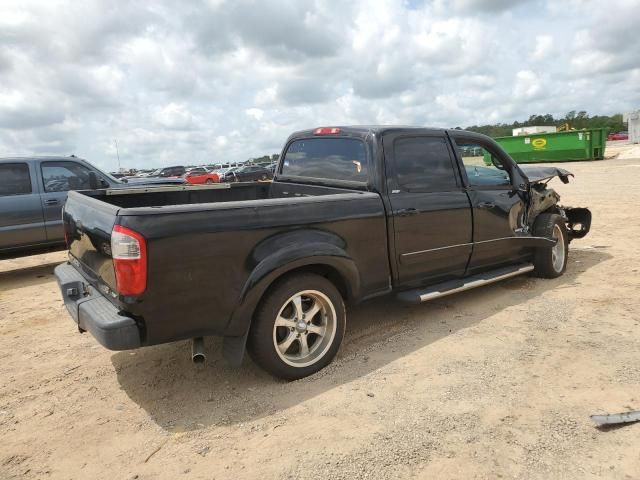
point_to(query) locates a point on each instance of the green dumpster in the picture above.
(588, 144)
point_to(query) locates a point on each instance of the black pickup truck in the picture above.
(353, 213)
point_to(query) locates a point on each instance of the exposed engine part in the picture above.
(542, 199)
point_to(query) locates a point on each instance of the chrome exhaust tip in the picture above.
(197, 351)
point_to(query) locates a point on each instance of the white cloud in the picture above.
(527, 85)
(255, 113)
(544, 46)
(175, 117)
(213, 80)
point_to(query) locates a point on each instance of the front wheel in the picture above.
(209, 181)
(551, 262)
(298, 327)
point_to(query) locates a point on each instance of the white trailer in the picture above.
(533, 130)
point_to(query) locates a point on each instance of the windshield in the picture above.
(342, 159)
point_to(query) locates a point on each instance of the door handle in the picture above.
(406, 212)
(486, 205)
(51, 201)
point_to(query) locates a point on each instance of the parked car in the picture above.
(353, 213)
(177, 171)
(153, 180)
(33, 191)
(201, 175)
(248, 173)
(618, 136)
(222, 171)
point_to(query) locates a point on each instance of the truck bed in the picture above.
(137, 197)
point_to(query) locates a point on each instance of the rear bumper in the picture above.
(94, 313)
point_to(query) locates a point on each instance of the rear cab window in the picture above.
(14, 179)
(334, 159)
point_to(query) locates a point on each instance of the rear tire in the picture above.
(298, 327)
(551, 262)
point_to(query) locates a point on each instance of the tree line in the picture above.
(576, 120)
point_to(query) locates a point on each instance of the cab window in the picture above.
(327, 158)
(64, 176)
(481, 165)
(423, 164)
(14, 179)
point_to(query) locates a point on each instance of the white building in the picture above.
(533, 130)
(633, 120)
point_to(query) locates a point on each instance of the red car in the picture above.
(198, 176)
(618, 136)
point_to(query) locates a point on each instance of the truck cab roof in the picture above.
(363, 130)
(33, 158)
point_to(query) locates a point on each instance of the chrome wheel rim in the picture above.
(558, 251)
(304, 328)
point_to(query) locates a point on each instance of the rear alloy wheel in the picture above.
(298, 327)
(551, 262)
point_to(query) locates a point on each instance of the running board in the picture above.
(455, 286)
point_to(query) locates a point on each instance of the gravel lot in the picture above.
(495, 382)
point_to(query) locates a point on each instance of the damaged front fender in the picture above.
(543, 199)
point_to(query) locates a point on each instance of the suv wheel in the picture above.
(298, 327)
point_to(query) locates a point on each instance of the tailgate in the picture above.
(88, 223)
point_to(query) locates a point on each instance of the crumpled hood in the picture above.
(540, 174)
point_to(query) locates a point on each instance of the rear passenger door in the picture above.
(58, 177)
(430, 210)
(21, 221)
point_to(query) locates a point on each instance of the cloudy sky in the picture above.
(206, 81)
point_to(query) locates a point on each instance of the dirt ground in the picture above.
(498, 382)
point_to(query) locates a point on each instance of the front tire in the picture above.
(298, 327)
(551, 262)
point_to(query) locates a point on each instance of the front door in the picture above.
(430, 211)
(498, 209)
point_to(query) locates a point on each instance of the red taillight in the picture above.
(129, 254)
(326, 131)
(66, 237)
